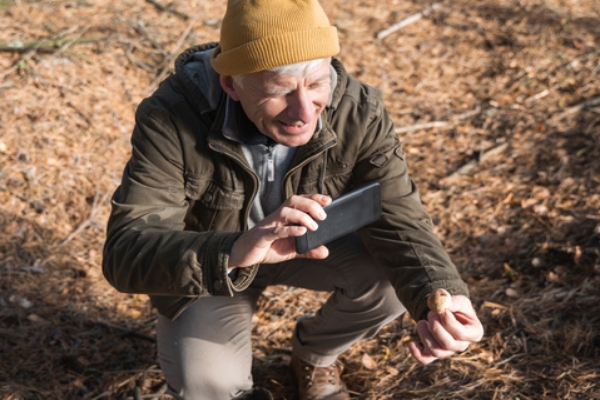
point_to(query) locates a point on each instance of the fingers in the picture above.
(462, 323)
(310, 204)
(444, 343)
(420, 354)
(322, 199)
(319, 253)
(431, 341)
(445, 334)
(462, 326)
(266, 235)
(271, 240)
(297, 210)
(431, 349)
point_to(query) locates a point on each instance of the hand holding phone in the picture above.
(345, 214)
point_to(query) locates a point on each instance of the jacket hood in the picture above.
(198, 76)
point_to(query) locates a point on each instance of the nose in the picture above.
(301, 106)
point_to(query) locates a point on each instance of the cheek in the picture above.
(320, 100)
(271, 109)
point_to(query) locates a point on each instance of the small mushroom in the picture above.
(439, 301)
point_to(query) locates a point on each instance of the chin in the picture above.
(294, 141)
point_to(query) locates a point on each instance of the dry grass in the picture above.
(512, 181)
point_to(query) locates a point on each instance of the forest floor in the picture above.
(496, 102)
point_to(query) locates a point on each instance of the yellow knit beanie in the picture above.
(262, 34)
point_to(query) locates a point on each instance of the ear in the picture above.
(226, 82)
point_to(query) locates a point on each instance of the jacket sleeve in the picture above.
(402, 241)
(147, 249)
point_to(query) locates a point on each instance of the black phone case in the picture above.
(345, 214)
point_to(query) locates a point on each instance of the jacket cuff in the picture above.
(216, 271)
(454, 287)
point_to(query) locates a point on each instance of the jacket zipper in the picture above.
(251, 172)
(270, 164)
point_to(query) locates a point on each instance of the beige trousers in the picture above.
(206, 352)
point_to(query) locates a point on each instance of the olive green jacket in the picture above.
(186, 193)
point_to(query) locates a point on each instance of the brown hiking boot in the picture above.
(318, 383)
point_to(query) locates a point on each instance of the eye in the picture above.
(319, 84)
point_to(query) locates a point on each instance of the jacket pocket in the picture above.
(212, 206)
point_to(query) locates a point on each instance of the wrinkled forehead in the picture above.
(307, 73)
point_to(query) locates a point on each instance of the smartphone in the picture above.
(346, 214)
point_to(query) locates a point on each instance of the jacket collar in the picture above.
(324, 139)
(340, 85)
(206, 98)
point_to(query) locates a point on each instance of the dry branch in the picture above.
(140, 28)
(407, 21)
(168, 9)
(468, 167)
(438, 124)
(43, 45)
(428, 125)
(89, 221)
(572, 110)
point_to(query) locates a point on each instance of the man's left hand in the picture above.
(445, 334)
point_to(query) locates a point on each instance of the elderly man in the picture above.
(234, 156)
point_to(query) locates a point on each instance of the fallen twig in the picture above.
(69, 42)
(43, 45)
(137, 393)
(81, 56)
(438, 124)
(81, 114)
(141, 29)
(85, 223)
(509, 359)
(468, 167)
(571, 110)
(467, 114)
(168, 9)
(428, 125)
(537, 96)
(407, 21)
(114, 388)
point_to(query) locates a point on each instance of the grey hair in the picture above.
(290, 69)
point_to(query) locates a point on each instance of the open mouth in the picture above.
(297, 127)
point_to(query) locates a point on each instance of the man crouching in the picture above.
(234, 156)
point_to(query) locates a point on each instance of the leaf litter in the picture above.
(497, 104)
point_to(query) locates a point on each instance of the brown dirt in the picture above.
(511, 180)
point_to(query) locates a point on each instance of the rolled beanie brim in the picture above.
(277, 50)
